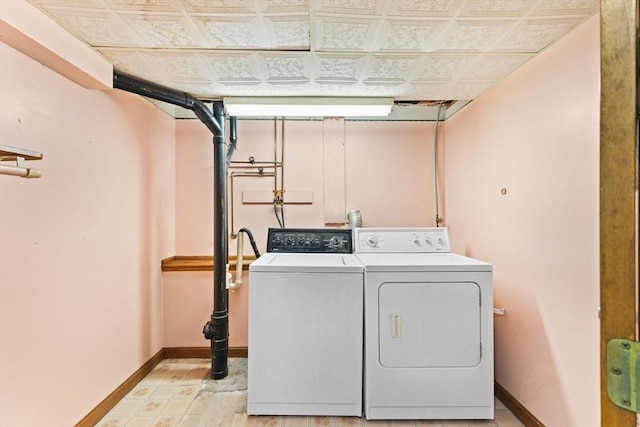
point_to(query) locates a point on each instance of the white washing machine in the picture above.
(305, 325)
(428, 318)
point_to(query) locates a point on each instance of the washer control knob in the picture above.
(414, 238)
(372, 241)
(335, 242)
(428, 240)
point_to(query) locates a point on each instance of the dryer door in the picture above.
(429, 324)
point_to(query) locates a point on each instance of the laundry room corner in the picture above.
(522, 166)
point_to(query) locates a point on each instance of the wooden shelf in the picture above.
(200, 263)
(12, 153)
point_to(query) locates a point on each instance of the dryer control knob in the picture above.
(372, 241)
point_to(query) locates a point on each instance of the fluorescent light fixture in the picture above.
(307, 107)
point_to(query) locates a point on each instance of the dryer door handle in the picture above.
(396, 325)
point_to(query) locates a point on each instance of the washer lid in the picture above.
(421, 262)
(307, 263)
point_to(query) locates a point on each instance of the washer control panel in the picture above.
(402, 240)
(310, 240)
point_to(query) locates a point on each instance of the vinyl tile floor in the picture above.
(179, 393)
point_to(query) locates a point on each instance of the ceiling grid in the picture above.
(411, 50)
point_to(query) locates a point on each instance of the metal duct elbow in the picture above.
(205, 115)
(165, 94)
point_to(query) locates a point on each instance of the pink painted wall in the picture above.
(536, 135)
(389, 177)
(80, 248)
(390, 173)
(188, 302)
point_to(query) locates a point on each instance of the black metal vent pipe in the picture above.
(165, 94)
(217, 329)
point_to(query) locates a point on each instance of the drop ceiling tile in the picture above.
(144, 5)
(283, 88)
(390, 69)
(219, 6)
(70, 4)
(497, 8)
(443, 67)
(290, 32)
(377, 89)
(173, 65)
(289, 67)
(413, 36)
(291, 84)
(349, 7)
(285, 6)
(343, 34)
(230, 33)
(533, 35)
(335, 67)
(240, 89)
(199, 89)
(230, 67)
(130, 62)
(164, 31)
(559, 8)
(472, 36)
(421, 9)
(494, 66)
(338, 90)
(330, 87)
(427, 90)
(97, 28)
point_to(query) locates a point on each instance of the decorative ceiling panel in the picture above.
(413, 50)
(231, 68)
(345, 68)
(443, 67)
(342, 34)
(403, 36)
(534, 35)
(491, 9)
(163, 31)
(143, 5)
(494, 67)
(393, 68)
(425, 9)
(472, 36)
(221, 7)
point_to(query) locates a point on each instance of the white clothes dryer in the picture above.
(428, 319)
(305, 325)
